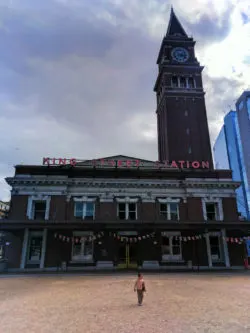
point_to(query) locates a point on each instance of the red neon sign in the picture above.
(127, 163)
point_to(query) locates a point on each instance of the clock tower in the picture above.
(183, 133)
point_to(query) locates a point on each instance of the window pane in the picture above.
(122, 215)
(182, 82)
(77, 251)
(176, 250)
(174, 211)
(165, 248)
(78, 209)
(176, 242)
(35, 249)
(132, 207)
(165, 241)
(122, 207)
(164, 210)
(191, 82)
(132, 215)
(214, 241)
(211, 211)
(215, 247)
(83, 251)
(88, 250)
(89, 213)
(39, 210)
(174, 82)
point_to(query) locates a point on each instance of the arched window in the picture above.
(191, 83)
(174, 82)
(182, 82)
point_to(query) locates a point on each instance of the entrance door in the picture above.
(127, 256)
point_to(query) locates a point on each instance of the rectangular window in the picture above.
(216, 248)
(85, 210)
(169, 211)
(35, 249)
(174, 82)
(183, 82)
(190, 83)
(171, 247)
(83, 251)
(39, 210)
(127, 211)
(212, 211)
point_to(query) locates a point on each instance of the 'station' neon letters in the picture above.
(134, 163)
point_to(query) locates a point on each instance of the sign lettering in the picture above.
(129, 164)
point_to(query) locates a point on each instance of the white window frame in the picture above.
(82, 259)
(185, 82)
(127, 201)
(172, 257)
(168, 201)
(84, 201)
(193, 82)
(178, 82)
(31, 205)
(2, 251)
(219, 211)
(221, 248)
(34, 234)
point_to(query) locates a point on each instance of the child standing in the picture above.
(140, 288)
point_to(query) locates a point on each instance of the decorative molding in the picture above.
(127, 199)
(148, 200)
(167, 200)
(106, 200)
(225, 247)
(208, 250)
(24, 248)
(61, 185)
(44, 246)
(84, 199)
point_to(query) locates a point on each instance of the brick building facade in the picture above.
(131, 213)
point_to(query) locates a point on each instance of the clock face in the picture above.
(180, 54)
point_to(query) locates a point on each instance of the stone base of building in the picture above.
(42, 251)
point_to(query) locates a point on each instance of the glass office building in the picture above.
(228, 154)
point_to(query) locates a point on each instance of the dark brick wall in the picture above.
(14, 250)
(107, 211)
(149, 211)
(57, 250)
(58, 208)
(18, 207)
(194, 209)
(236, 254)
(230, 209)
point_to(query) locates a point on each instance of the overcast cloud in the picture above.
(77, 76)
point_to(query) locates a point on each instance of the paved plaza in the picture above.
(174, 303)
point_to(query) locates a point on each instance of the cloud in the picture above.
(78, 75)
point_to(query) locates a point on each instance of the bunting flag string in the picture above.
(131, 239)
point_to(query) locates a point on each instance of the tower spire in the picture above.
(174, 26)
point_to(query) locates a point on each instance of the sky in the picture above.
(77, 76)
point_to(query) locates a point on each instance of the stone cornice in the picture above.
(122, 183)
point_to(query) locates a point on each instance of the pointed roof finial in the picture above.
(174, 26)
